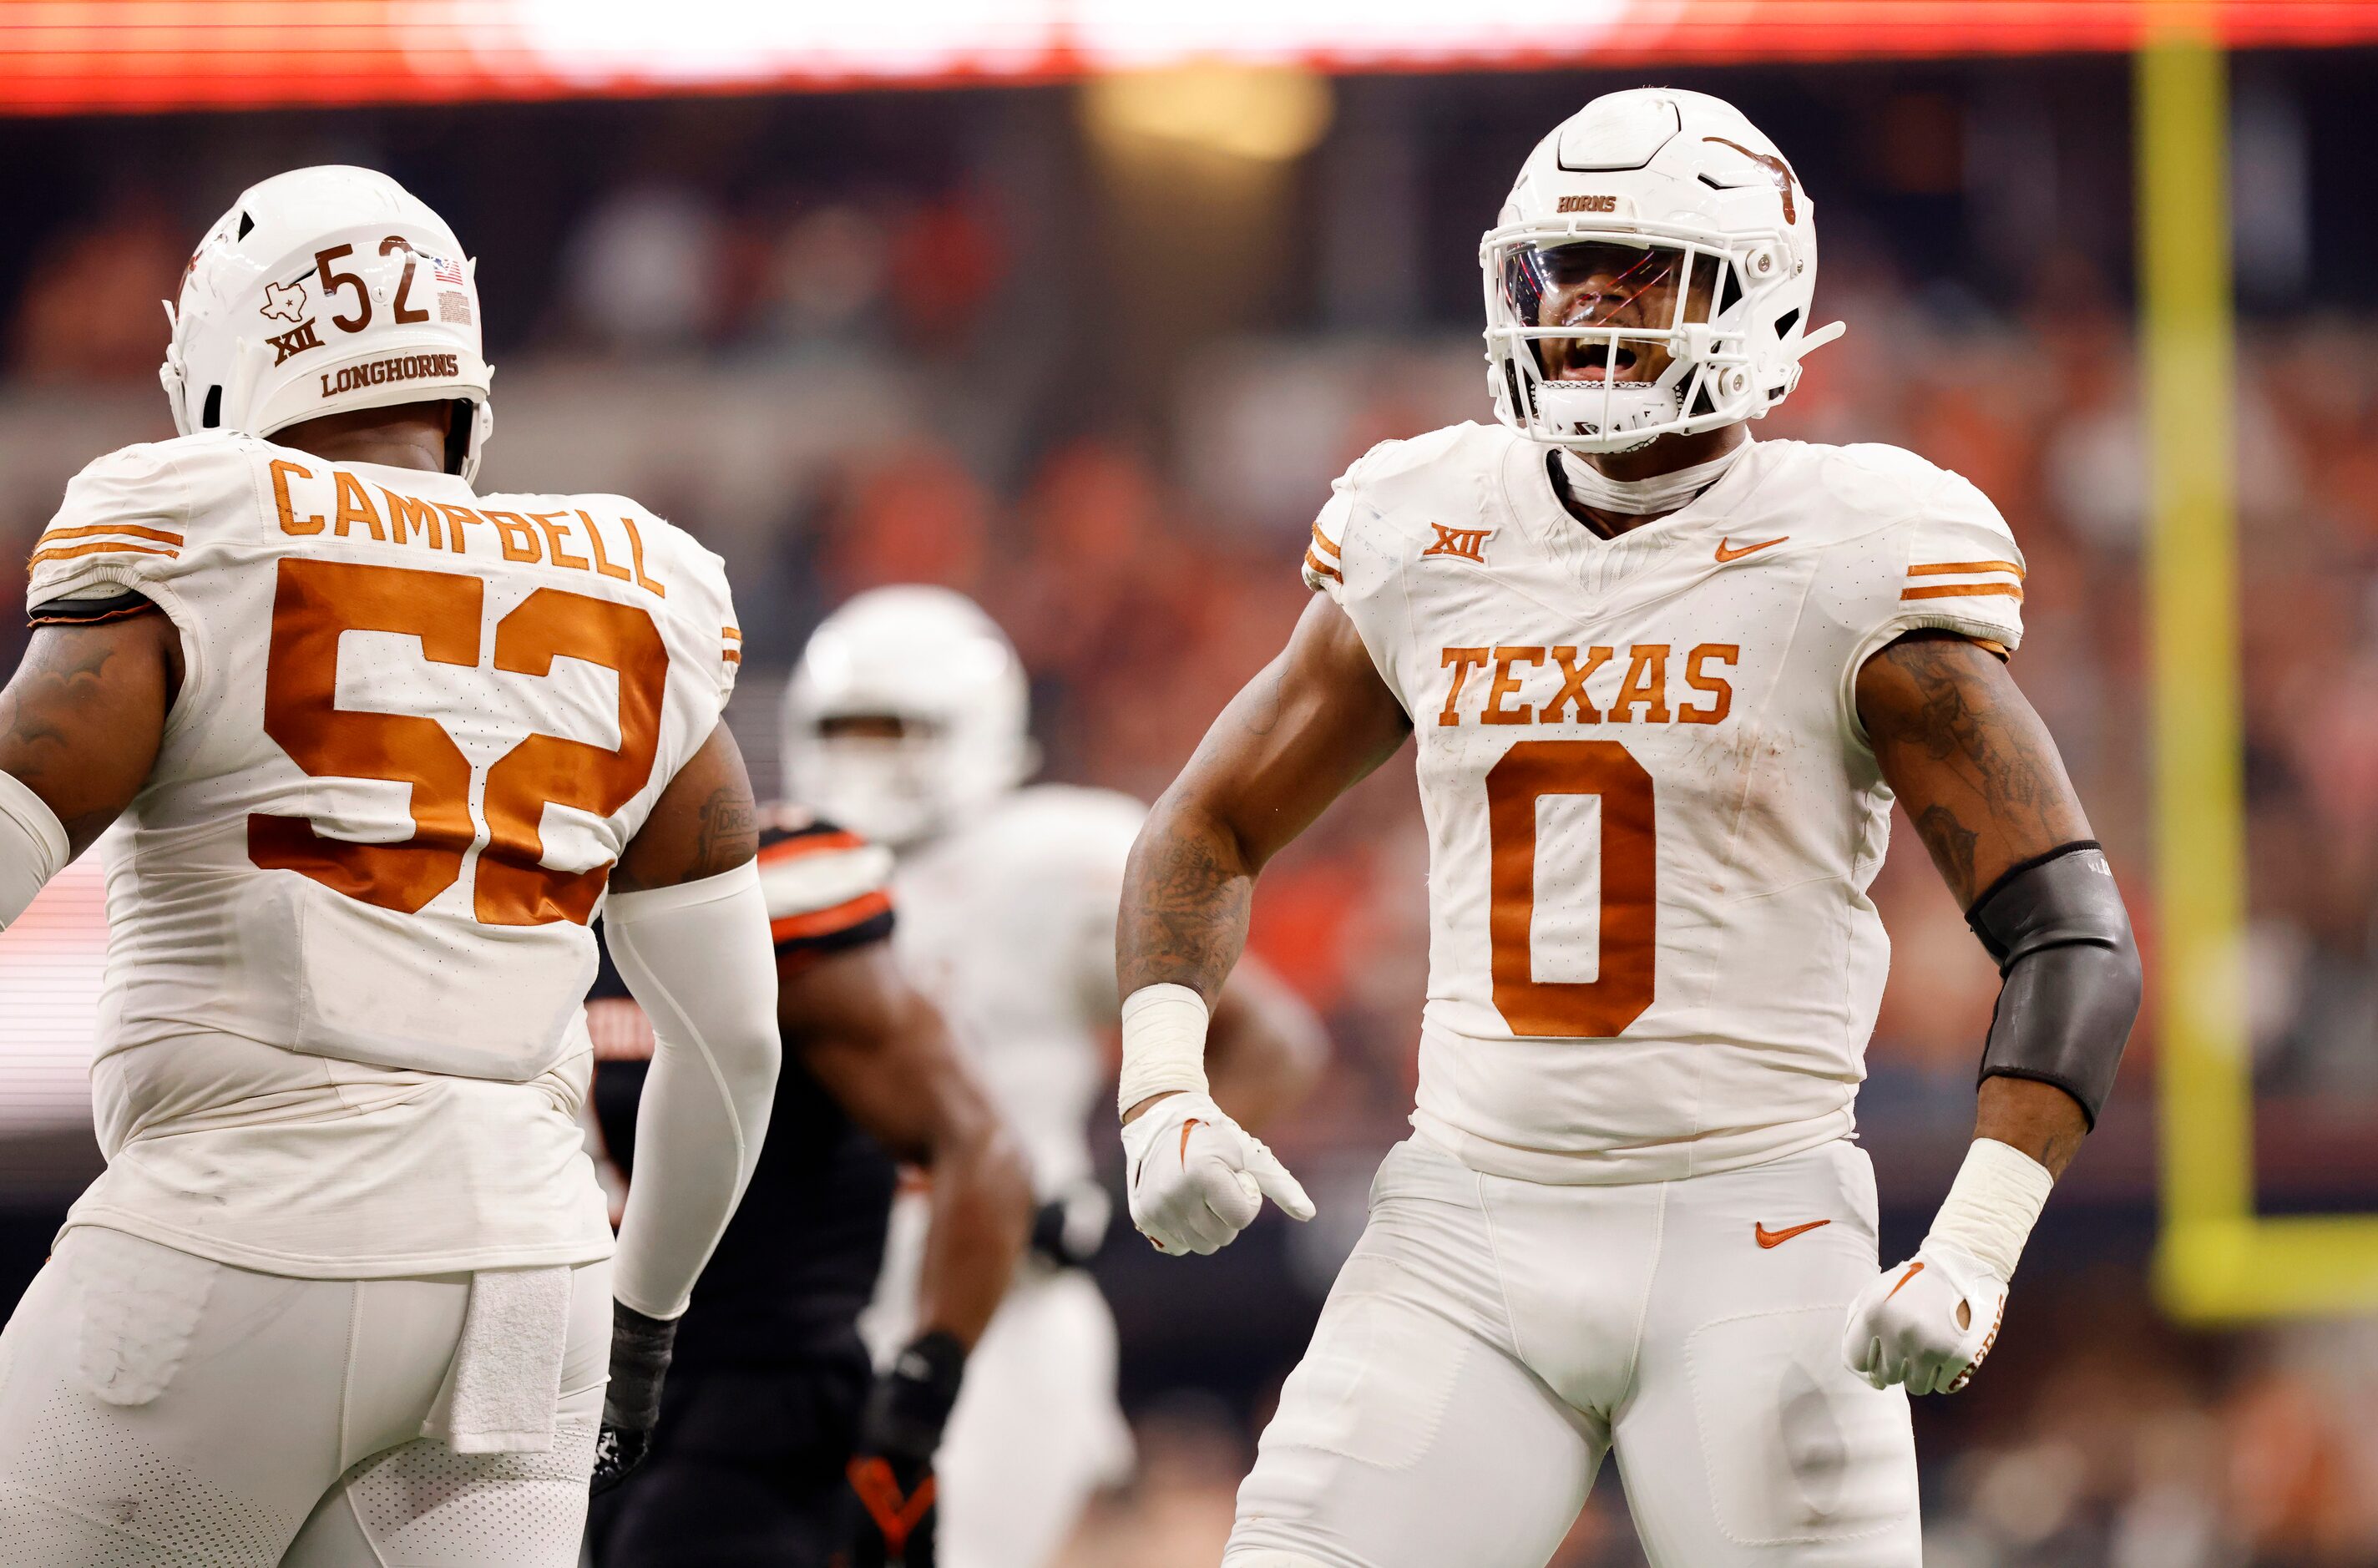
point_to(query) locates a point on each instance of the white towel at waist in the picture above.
(506, 1380)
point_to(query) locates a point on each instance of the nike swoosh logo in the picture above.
(1725, 554)
(1187, 1128)
(1912, 1270)
(1777, 1238)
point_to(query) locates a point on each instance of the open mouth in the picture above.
(1593, 361)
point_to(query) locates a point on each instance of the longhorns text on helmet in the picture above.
(324, 290)
(933, 660)
(1687, 180)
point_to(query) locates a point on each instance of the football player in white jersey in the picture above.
(381, 749)
(908, 720)
(1665, 684)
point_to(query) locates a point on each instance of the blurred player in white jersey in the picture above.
(1665, 684)
(382, 748)
(908, 720)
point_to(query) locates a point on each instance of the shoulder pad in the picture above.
(1874, 483)
(126, 518)
(1390, 459)
(1372, 485)
(815, 867)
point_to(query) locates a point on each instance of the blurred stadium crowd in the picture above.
(975, 338)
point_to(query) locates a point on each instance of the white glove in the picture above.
(1928, 1322)
(1197, 1178)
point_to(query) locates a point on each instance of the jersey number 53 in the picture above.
(314, 602)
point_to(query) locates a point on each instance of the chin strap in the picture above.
(1641, 497)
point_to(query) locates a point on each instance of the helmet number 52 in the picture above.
(316, 603)
(406, 314)
(1623, 983)
(334, 281)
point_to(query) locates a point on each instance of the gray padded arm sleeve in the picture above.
(2068, 970)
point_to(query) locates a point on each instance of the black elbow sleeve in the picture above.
(2069, 972)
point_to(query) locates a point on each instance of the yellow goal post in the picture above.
(2216, 1259)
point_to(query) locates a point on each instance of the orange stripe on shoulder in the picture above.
(807, 844)
(1322, 540)
(98, 530)
(1963, 568)
(104, 547)
(1964, 591)
(1321, 568)
(826, 922)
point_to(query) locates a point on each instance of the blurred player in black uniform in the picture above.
(775, 1442)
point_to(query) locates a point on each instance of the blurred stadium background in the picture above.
(1078, 309)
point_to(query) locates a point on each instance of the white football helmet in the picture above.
(323, 290)
(1652, 274)
(933, 662)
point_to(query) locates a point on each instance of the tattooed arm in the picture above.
(1311, 725)
(81, 719)
(703, 825)
(1980, 778)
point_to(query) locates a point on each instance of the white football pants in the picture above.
(1037, 1431)
(1491, 1339)
(251, 1419)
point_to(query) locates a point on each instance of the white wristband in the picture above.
(1993, 1204)
(1163, 1043)
(32, 847)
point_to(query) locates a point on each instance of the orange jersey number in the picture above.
(514, 888)
(1623, 985)
(316, 601)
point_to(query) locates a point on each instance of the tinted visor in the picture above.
(1650, 288)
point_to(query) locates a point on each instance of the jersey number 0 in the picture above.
(1630, 888)
(318, 601)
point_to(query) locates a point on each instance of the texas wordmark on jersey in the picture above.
(1652, 814)
(417, 728)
